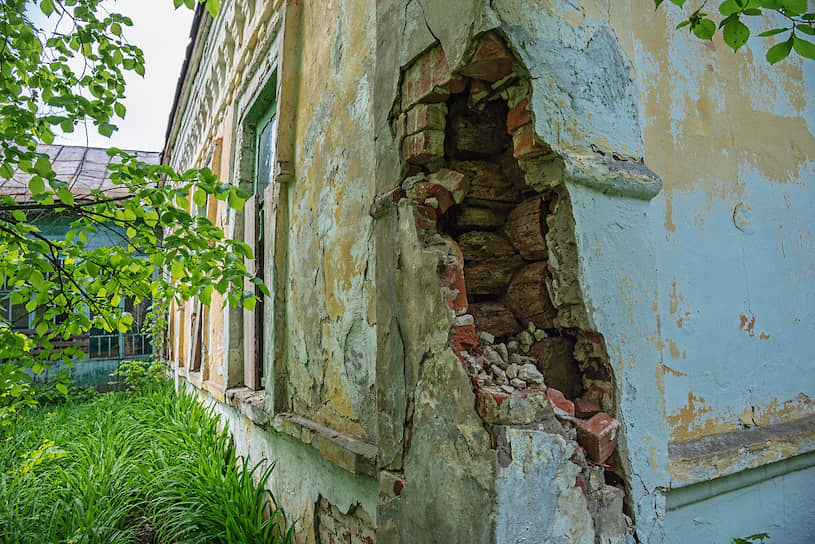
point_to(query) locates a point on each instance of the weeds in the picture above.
(128, 467)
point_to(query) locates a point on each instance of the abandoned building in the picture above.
(85, 170)
(540, 271)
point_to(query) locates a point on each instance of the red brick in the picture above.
(425, 117)
(601, 394)
(599, 436)
(580, 482)
(452, 276)
(425, 79)
(423, 190)
(464, 338)
(384, 201)
(518, 116)
(526, 143)
(558, 399)
(423, 147)
(488, 404)
(584, 408)
(426, 218)
(455, 182)
(491, 62)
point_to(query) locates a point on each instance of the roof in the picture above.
(83, 168)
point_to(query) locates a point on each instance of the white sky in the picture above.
(162, 33)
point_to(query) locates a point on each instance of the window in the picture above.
(254, 229)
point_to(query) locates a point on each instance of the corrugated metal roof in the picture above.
(83, 168)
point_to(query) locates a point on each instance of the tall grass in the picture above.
(130, 467)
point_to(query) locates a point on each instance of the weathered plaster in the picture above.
(298, 489)
(537, 500)
(449, 468)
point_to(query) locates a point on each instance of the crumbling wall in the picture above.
(481, 202)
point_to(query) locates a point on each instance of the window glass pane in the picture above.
(19, 316)
(266, 150)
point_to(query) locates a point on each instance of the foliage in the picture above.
(139, 374)
(787, 16)
(137, 466)
(757, 538)
(51, 80)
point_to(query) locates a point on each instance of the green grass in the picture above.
(130, 467)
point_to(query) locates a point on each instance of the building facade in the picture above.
(85, 169)
(539, 271)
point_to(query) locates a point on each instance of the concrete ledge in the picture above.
(354, 455)
(723, 454)
(611, 175)
(683, 496)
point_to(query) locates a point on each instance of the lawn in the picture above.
(139, 466)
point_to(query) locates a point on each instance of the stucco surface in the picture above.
(330, 334)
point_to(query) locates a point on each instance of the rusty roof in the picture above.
(82, 168)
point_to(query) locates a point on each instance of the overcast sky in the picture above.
(162, 33)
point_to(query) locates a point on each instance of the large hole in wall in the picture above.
(500, 228)
(483, 181)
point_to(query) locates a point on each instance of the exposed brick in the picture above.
(423, 147)
(580, 482)
(488, 404)
(526, 143)
(455, 182)
(464, 337)
(601, 394)
(425, 79)
(425, 117)
(479, 90)
(399, 125)
(426, 218)
(584, 408)
(599, 436)
(557, 399)
(452, 277)
(382, 202)
(518, 116)
(491, 61)
(423, 190)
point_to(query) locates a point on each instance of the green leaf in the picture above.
(794, 7)
(234, 200)
(200, 198)
(771, 4)
(106, 129)
(773, 32)
(120, 109)
(66, 196)
(42, 166)
(735, 34)
(213, 6)
(806, 29)
(803, 47)
(47, 7)
(753, 12)
(61, 387)
(6, 170)
(705, 29)
(249, 304)
(729, 7)
(683, 23)
(206, 295)
(779, 51)
(19, 215)
(36, 185)
(42, 328)
(37, 368)
(116, 29)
